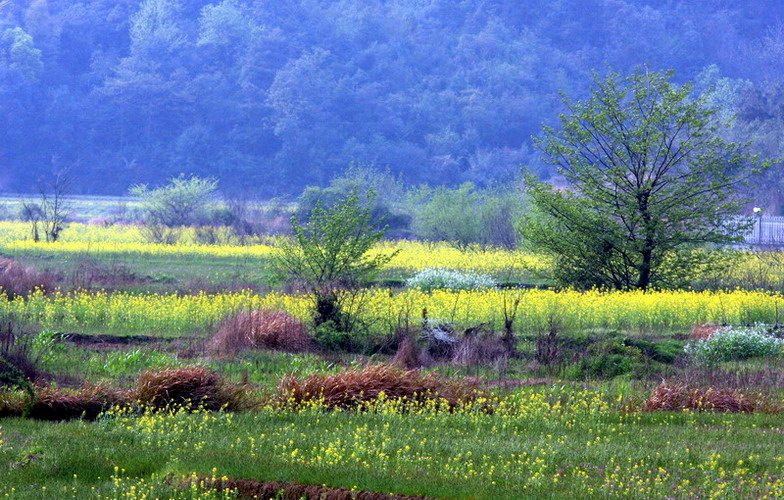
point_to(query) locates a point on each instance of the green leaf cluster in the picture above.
(651, 182)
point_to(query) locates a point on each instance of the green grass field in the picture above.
(546, 443)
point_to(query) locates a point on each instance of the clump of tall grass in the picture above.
(260, 329)
(190, 387)
(680, 397)
(353, 388)
(17, 280)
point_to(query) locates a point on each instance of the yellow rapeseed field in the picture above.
(176, 313)
(123, 239)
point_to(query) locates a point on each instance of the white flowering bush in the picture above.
(435, 278)
(735, 343)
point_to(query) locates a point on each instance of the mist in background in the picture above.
(271, 96)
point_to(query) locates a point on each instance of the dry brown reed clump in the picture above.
(190, 387)
(53, 403)
(679, 397)
(16, 279)
(703, 331)
(474, 348)
(480, 349)
(290, 491)
(260, 329)
(407, 355)
(351, 388)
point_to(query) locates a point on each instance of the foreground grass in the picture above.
(544, 443)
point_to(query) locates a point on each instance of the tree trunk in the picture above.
(644, 279)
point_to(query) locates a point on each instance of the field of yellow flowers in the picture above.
(122, 240)
(175, 314)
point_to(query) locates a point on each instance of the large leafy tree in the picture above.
(650, 182)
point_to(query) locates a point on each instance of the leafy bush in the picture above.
(330, 337)
(330, 256)
(182, 202)
(733, 343)
(606, 359)
(435, 278)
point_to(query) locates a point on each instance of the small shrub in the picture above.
(663, 352)
(435, 278)
(17, 358)
(408, 355)
(733, 343)
(260, 329)
(679, 397)
(350, 389)
(190, 387)
(606, 359)
(12, 403)
(330, 337)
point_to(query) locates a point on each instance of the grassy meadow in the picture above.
(577, 411)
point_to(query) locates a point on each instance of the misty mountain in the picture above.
(270, 96)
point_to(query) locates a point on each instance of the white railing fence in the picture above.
(767, 230)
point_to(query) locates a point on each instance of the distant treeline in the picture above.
(270, 96)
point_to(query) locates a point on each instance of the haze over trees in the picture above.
(273, 96)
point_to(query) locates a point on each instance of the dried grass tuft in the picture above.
(679, 397)
(479, 349)
(260, 329)
(60, 404)
(190, 387)
(352, 388)
(17, 280)
(408, 355)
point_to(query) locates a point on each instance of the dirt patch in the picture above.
(185, 347)
(86, 339)
(293, 491)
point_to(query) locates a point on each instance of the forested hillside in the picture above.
(270, 96)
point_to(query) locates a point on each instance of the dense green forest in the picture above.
(270, 96)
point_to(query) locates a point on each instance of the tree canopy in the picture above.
(650, 180)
